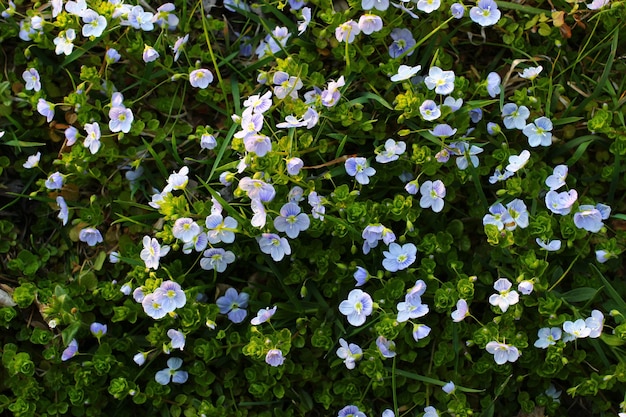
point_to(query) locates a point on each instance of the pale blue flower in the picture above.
(263, 315)
(317, 207)
(70, 351)
(561, 203)
(274, 357)
(172, 373)
(200, 78)
(273, 42)
(295, 195)
(493, 84)
(358, 167)
(32, 161)
(92, 141)
(185, 229)
(499, 216)
(275, 246)
(432, 195)
(502, 352)
(331, 95)
(387, 348)
(576, 330)
(257, 189)
(531, 73)
(428, 6)
(505, 296)
(500, 176)
(452, 103)
(547, 337)
(443, 131)
(457, 10)
(121, 119)
(405, 72)
(525, 287)
(165, 18)
(399, 257)
(430, 411)
(220, 229)
(306, 19)
(112, 56)
(98, 329)
(351, 411)
(554, 395)
(392, 151)
(429, 110)
(170, 296)
(71, 135)
(517, 162)
(138, 18)
(216, 259)
(208, 141)
(94, 24)
(538, 132)
(595, 323)
(590, 218)
(177, 339)
(350, 353)
(557, 179)
(150, 306)
(595, 5)
(90, 236)
(551, 246)
(114, 257)
(461, 311)
(388, 413)
(32, 79)
(259, 103)
(361, 276)
(448, 388)
(411, 308)
(464, 150)
(519, 214)
(236, 6)
(233, 304)
(475, 115)
(493, 128)
(347, 31)
(603, 256)
(291, 221)
(486, 13)
(357, 307)
(179, 46)
(420, 331)
(46, 109)
(412, 187)
(152, 252)
(381, 5)
(286, 85)
(370, 23)
(64, 42)
(403, 41)
(149, 54)
(294, 165)
(140, 358)
(441, 81)
(515, 117)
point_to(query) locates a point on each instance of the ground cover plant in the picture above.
(351, 208)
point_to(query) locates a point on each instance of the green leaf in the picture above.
(580, 294)
(433, 381)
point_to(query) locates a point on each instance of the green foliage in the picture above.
(366, 180)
